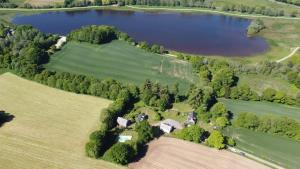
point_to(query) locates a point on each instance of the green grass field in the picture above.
(260, 108)
(257, 84)
(121, 61)
(279, 150)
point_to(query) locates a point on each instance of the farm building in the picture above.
(165, 128)
(123, 122)
(191, 119)
(142, 117)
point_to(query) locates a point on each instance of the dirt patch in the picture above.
(170, 153)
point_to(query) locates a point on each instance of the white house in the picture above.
(166, 127)
(123, 122)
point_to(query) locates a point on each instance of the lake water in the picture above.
(205, 34)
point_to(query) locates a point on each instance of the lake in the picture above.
(204, 34)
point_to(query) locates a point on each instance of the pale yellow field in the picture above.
(44, 2)
(50, 127)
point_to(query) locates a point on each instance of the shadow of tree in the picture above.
(5, 117)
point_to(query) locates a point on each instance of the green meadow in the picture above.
(260, 108)
(280, 150)
(121, 61)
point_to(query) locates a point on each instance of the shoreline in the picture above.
(155, 8)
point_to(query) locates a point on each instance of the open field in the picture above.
(44, 2)
(257, 84)
(170, 153)
(260, 108)
(280, 150)
(50, 127)
(121, 61)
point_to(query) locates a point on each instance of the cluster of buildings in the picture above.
(167, 126)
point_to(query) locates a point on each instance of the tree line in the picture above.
(282, 126)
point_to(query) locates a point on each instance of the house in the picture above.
(142, 117)
(123, 122)
(191, 119)
(165, 127)
(175, 124)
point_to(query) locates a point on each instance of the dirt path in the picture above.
(171, 153)
(212, 11)
(290, 55)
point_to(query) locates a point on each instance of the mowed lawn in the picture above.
(280, 150)
(121, 61)
(50, 127)
(261, 108)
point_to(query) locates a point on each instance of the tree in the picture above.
(256, 26)
(145, 132)
(247, 120)
(223, 79)
(193, 133)
(269, 94)
(215, 140)
(222, 122)
(202, 97)
(97, 144)
(219, 110)
(120, 153)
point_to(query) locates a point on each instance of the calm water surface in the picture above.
(191, 33)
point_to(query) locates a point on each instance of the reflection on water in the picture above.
(205, 34)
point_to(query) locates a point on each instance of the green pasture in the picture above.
(121, 61)
(280, 150)
(260, 108)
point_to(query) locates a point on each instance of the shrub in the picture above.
(222, 122)
(120, 153)
(216, 140)
(193, 133)
(145, 132)
(97, 144)
(255, 27)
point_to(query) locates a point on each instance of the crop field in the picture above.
(50, 127)
(260, 108)
(170, 153)
(121, 61)
(280, 150)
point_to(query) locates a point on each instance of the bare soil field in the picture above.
(50, 127)
(171, 153)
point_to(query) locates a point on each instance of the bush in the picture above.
(193, 133)
(222, 122)
(219, 110)
(216, 140)
(120, 153)
(97, 144)
(255, 27)
(145, 132)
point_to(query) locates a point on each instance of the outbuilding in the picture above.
(123, 122)
(191, 119)
(166, 127)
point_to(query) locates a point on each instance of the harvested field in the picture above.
(50, 127)
(170, 153)
(44, 2)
